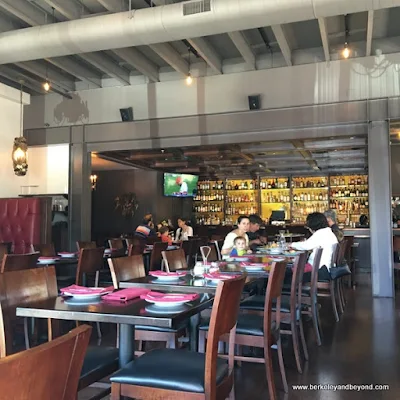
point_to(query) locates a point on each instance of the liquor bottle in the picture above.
(273, 185)
(246, 186)
(295, 197)
(269, 186)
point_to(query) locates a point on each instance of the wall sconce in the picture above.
(93, 181)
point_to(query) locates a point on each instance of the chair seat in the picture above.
(97, 358)
(247, 324)
(169, 369)
(257, 303)
(180, 327)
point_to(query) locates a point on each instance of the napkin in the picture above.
(169, 297)
(163, 273)
(76, 289)
(221, 276)
(67, 253)
(126, 294)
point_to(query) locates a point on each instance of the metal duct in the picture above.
(167, 23)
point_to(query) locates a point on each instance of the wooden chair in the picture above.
(260, 331)
(9, 246)
(213, 256)
(85, 245)
(186, 246)
(132, 267)
(174, 260)
(17, 262)
(291, 321)
(49, 371)
(116, 244)
(135, 246)
(45, 250)
(156, 260)
(194, 251)
(3, 251)
(185, 375)
(26, 286)
(310, 299)
(215, 238)
(152, 239)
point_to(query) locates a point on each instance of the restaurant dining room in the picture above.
(200, 199)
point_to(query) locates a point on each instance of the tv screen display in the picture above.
(180, 185)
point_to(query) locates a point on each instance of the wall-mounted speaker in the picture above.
(126, 114)
(255, 102)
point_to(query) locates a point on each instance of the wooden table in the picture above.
(126, 314)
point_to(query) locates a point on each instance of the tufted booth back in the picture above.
(20, 223)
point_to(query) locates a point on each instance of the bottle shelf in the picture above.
(348, 197)
(274, 189)
(210, 201)
(311, 188)
(275, 202)
(310, 201)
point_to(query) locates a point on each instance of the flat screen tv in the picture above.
(180, 185)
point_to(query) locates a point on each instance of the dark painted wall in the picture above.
(148, 187)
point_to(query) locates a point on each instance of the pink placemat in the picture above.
(221, 276)
(76, 289)
(49, 258)
(169, 297)
(250, 264)
(163, 273)
(125, 294)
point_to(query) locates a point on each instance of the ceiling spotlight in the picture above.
(46, 86)
(346, 51)
(189, 79)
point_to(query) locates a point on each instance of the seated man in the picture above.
(255, 238)
(332, 222)
(146, 228)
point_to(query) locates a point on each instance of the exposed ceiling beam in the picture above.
(299, 145)
(147, 156)
(69, 9)
(7, 25)
(324, 37)
(245, 50)
(283, 43)
(171, 56)
(10, 76)
(370, 29)
(77, 70)
(139, 61)
(108, 66)
(34, 67)
(207, 52)
(114, 5)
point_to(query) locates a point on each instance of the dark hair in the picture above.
(237, 238)
(363, 219)
(185, 220)
(241, 218)
(147, 219)
(255, 219)
(316, 221)
(163, 229)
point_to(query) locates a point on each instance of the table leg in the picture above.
(193, 327)
(126, 344)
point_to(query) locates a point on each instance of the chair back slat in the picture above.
(45, 250)
(90, 261)
(3, 251)
(21, 287)
(341, 253)
(174, 260)
(126, 268)
(49, 371)
(116, 243)
(297, 281)
(223, 321)
(156, 255)
(135, 246)
(17, 262)
(85, 245)
(213, 256)
(314, 273)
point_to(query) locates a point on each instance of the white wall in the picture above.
(10, 128)
(344, 80)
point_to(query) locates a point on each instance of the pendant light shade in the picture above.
(20, 147)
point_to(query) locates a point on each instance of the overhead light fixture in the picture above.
(346, 50)
(189, 79)
(20, 147)
(93, 181)
(46, 86)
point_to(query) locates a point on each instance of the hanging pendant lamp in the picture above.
(20, 147)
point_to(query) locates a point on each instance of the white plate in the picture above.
(253, 268)
(72, 301)
(85, 296)
(68, 255)
(48, 261)
(238, 259)
(168, 278)
(168, 304)
(154, 308)
(278, 259)
(272, 251)
(287, 254)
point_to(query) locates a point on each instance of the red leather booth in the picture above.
(24, 221)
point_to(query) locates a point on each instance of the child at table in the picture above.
(239, 247)
(164, 235)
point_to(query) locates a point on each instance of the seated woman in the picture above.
(243, 226)
(184, 230)
(322, 236)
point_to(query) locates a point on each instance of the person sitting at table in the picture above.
(239, 247)
(164, 235)
(184, 230)
(243, 226)
(321, 236)
(146, 228)
(332, 222)
(255, 238)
